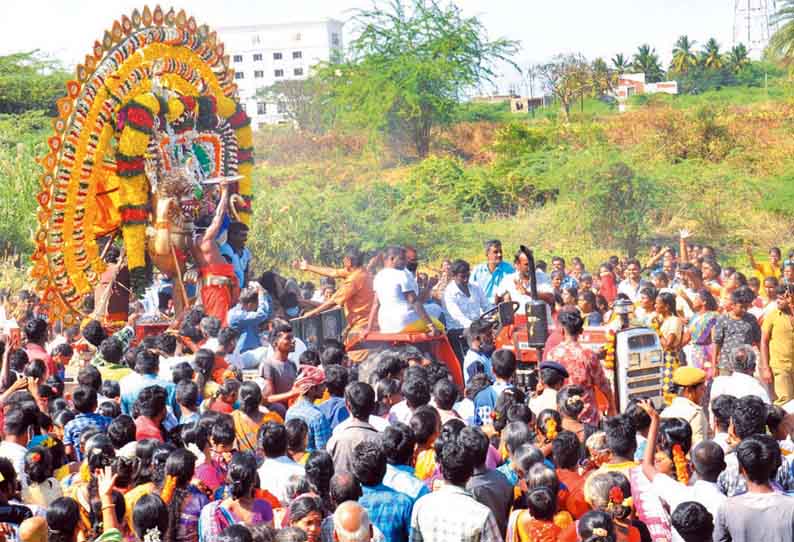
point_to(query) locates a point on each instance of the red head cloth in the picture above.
(310, 376)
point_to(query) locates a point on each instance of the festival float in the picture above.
(148, 131)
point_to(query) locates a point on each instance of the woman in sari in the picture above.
(250, 417)
(698, 331)
(670, 329)
(240, 506)
(183, 501)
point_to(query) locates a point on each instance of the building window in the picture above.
(297, 54)
(239, 75)
(276, 56)
(335, 39)
(261, 108)
(257, 57)
(256, 40)
(259, 74)
(279, 73)
(281, 107)
(298, 71)
(238, 58)
(298, 36)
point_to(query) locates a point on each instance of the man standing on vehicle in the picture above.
(490, 274)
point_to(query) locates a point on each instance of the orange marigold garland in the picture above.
(169, 486)
(681, 464)
(609, 349)
(551, 429)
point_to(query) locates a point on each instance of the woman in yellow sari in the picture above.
(250, 417)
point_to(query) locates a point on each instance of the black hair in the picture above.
(84, 399)
(398, 443)
(515, 434)
(290, 534)
(570, 402)
(503, 363)
(319, 471)
(566, 450)
(94, 333)
(152, 401)
(262, 533)
(457, 464)
(344, 487)
(551, 377)
(110, 389)
(542, 503)
(571, 321)
(167, 343)
(144, 452)
(544, 417)
(38, 464)
(35, 369)
(774, 417)
(111, 349)
(360, 400)
(416, 392)
(35, 330)
(668, 299)
(369, 463)
(749, 416)
(309, 357)
(435, 372)
(181, 464)
(182, 372)
(459, 267)
(63, 512)
(390, 365)
(250, 398)
(527, 456)
(109, 409)
(241, 476)
(708, 299)
(90, 376)
(384, 388)
(692, 522)
(16, 422)
(62, 417)
(235, 533)
(597, 521)
(150, 512)
(303, 506)
(637, 415)
(336, 378)
(272, 438)
(476, 442)
(64, 349)
(332, 355)
(296, 434)
(674, 431)
(708, 459)
(722, 408)
(223, 430)
(759, 457)
(507, 399)
(742, 295)
(277, 331)
(445, 393)
(146, 362)
(187, 394)
(621, 436)
(196, 434)
(424, 422)
(121, 431)
(204, 360)
(227, 336)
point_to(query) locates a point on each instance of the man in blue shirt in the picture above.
(147, 365)
(478, 357)
(251, 311)
(488, 275)
(503, 363)
(235, 252)
(85, 403)
(389, 510)
(398, 446)
(334, 409)
(311, 381)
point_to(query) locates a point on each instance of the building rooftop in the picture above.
(270, 26)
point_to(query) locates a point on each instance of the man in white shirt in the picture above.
(464, 301)
(742, 382)
(14, 445)
(397, 306)
(516, 286)
(277, 468)
(633, 282)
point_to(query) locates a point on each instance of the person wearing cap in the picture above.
(552, 378)
(690, 386)
(311, 382)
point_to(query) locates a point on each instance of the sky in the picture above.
(66, 29)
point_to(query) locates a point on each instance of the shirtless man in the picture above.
(219, 286)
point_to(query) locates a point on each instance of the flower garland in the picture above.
(551, 429)
(609, 349)
(681, 465)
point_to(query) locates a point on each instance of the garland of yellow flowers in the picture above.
(609, 349)
(681, 466)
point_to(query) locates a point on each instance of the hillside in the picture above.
(717, 163)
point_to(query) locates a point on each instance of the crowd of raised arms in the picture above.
(225, 427)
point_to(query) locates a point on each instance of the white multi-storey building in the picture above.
(264, 54)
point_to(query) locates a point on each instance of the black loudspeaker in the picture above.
(506, 313)
(537, 324)
(315, 329)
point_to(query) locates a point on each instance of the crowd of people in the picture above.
(224, 426)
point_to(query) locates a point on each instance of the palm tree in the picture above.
(737, 58)
(684, 56)
(621, 63)
(781, 44)
(647, 61)
(711, 57)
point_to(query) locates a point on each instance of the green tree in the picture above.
(737, 58)
(409, 66)
(647, 61)
(305, 101)
(711, 56)
(684, 56)
(604, 80)
(27, 82)
(567, 78)
(781, 45)
(621, 63)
